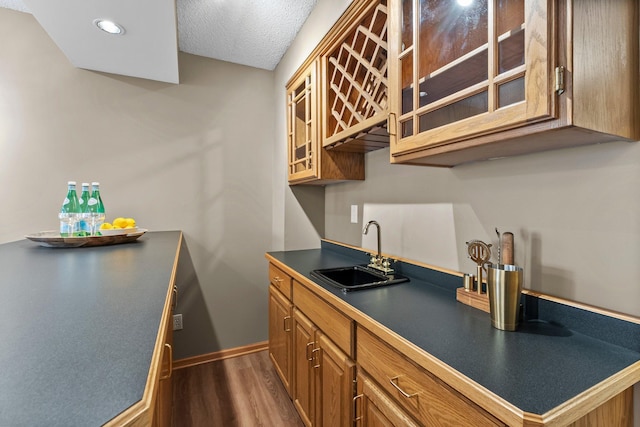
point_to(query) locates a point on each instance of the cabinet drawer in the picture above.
(280, 279)
(421, 394)
(332, 322)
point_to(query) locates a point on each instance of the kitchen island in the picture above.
(84, 331)
(566, 361)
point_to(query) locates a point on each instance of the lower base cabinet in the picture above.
(372, 407)
(163, 410)
(323, 385)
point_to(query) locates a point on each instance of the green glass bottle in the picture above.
(95, 208)
(85, 224)
(69, 212)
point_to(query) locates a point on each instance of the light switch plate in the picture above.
(354, 214)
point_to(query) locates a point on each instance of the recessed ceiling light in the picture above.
(465, 3)
(108, 26)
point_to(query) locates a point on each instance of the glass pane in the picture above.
(511, 92)
(509, 14)
(465, 74)
(406, 65)
(510, 32)
(407, 128)
(449, 31)
(511, 51)
(407, 24)
(468, 107)
(300, 129)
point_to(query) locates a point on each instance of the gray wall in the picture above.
(188, 156)
(574, 214)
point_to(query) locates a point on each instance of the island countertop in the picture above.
(550, 360)
(80, 327)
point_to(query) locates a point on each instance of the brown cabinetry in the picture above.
(280, 324)
(354, 72)
(337, 101)
(280, 336)
(485, 80)
(421, 395)
(323, 371)
(308, 162)
(375, 409)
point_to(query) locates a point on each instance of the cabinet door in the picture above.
(355, 72)
(280, 340)
(374, 408)
(302, 120)
(335, 373)
(304, 346)
(462, 71)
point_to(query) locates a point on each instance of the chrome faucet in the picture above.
(377, 261)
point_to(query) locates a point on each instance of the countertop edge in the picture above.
(569, 411)
(141, 412)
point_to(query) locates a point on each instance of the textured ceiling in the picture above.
(256, 33)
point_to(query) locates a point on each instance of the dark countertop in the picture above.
(536, 368)
(79, 328)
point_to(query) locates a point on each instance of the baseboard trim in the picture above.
(220, 355)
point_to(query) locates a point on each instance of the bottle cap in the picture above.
(71, 183)
(85, 184)
(95, 184)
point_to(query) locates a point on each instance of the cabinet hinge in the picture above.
(560, 80)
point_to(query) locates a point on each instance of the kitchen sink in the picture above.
(356, 277)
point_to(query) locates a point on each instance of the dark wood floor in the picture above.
(242, 391)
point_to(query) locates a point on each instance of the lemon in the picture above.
(119, 222)
(131, 223)
(106, 226)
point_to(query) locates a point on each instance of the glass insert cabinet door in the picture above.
(467, 68)
(302, 126)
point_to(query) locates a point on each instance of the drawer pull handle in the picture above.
(357, 418)
(394, 382)
(168, 375)
(309, 358)
(284, 323)
(277, 279)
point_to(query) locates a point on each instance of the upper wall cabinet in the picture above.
(337, 104)
(308, 162)
(484, 80)
(355, 104)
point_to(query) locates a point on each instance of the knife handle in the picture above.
(507, 248)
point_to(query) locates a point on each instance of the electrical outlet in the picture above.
(177, 322)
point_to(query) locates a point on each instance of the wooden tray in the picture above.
(52, 239)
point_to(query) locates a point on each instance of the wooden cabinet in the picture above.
(485, 80)
(308, 162)
(280, 325)
(335, 373)
(280, 337)
(310, 345)
(164, 400)
(324, 374)
(162, 414)
(373, 408)
(337, 101)
(324, 370)
(354, 74)
(421, 395)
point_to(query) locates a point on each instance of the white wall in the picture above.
(188, 156)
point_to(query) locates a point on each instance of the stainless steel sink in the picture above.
(356, 277)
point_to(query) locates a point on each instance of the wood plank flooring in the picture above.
(243, 391)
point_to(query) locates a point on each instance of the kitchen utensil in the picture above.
(499, 246)
(507, 249)
(480, 253)
(504, 287)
